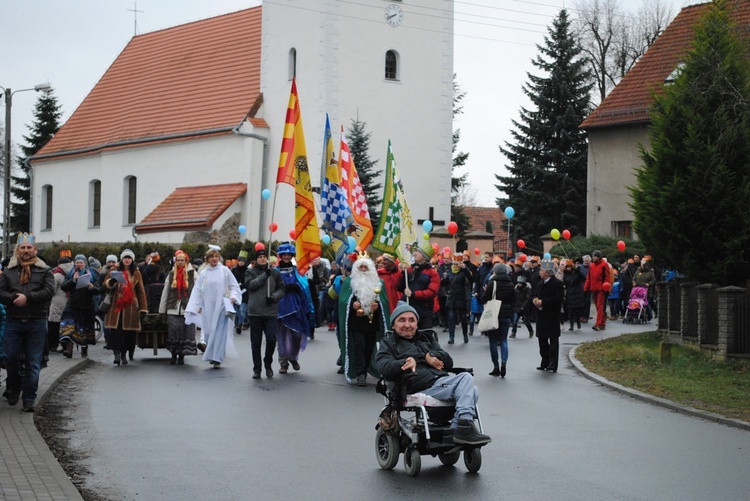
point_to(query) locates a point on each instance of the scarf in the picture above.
(179, 281)
(26, 270)
(127, 296)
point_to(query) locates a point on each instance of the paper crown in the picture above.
(242, 255)
(426, 250)
(65, 253)
(28, 238)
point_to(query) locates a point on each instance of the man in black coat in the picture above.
(548, 299)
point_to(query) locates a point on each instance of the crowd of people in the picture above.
(45, 309)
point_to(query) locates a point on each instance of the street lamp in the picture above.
(6, 167)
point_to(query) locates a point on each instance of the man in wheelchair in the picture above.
(416, 359)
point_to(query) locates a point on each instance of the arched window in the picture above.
(46, 207)
(292, 63)
(95, 203)
(391, 65)
(129, 197)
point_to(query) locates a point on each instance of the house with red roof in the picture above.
(618, 127)
(183, 131)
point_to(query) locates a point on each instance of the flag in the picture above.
(396, 228)
(294, 157)
(355, 195)
(335, 211)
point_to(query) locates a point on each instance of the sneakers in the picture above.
(466, 434)
(512, 334)
(331, 327)
(29, 407)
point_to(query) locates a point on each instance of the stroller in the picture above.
(425, 431)
(636, 311)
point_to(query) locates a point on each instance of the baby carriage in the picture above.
(636, 312)
(418, 425)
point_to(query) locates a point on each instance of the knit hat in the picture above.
(499, 269)
(80, 257)
(597, 253)
(127, 253)
(94, 263)
(286, 248)
(180, 252)
(400, 309)
(111, 258)
(260, 252)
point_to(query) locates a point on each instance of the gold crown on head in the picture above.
(26, 238)
(363, 255)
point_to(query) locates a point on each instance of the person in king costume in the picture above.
(363, 316)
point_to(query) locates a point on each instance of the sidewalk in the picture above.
(28, 470)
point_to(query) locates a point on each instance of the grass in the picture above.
(692, 378)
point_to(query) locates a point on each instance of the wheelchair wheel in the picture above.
(450, 458)
(412, 461)
(473, 460)
(98, 327)
(386, 449)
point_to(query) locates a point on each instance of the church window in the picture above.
(292, 63)
(46, 207)
(391, 65)
(95, 203)
(131, 191)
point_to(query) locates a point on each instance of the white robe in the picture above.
(206, 310)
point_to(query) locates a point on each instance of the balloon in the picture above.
(509, 212)
(621, 246)
(566, 234)
(273, 227)
(293, 234)
(452, 228)
(555, 234)
(522, 258)
(266, 194)
(427, 225)
(547, 256)
(426, 236)
(259, 246)
(606, 286)
(242, 229)
(326, 239)
(352, 244)
(521, 244)
(477, 251)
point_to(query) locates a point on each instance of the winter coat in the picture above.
(392, 282)
(60, 297)
(574, 295)
(131, 320)
(238, 272)
(424, 283)
(394, 350)
(38, 291)
(503, 291)
(171, 303)
(483, 273)
(598, 274)
(522, 297)
(257, 282)
(458, 287)
(79, 299)
(548, 318)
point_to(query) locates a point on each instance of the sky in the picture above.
(71, 43)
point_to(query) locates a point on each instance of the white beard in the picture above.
(364, 285)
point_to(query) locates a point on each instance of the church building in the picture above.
(183, 132)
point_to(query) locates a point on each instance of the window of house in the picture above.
(622, 229)
(292, 63)
(95, 203)
(131, 191)
(46, 207)
(391, 65)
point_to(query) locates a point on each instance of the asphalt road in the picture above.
(155, 431)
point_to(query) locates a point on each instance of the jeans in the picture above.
(259, 325)
(461, 389)
(241, 315)
(24, 339)
(499, 337)
(516, 316)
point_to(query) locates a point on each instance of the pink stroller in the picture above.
(636, 312)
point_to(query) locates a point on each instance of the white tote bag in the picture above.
(490, 316)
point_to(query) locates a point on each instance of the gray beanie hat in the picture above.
(402, 308)
(111, 257)
(499, 269)
(127, 253)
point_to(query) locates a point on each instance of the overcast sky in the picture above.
(72, 43)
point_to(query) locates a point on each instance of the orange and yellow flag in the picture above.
(289, 146)
(362, 228)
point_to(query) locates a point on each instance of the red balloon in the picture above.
(452, 228)
(606, 286)
(621, 246)
(521, 244)
(293, 234)
(566, 234)
(522, 258)
(259, 246)
(477, 251)
(273, 227)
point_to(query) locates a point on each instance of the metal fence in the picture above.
(711, 336)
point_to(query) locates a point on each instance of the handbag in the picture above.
(490, 316)
(105, 303)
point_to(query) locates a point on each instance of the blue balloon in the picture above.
(242, 229)
(427, 225)
(352, 244)
(266, 194)
(547, 255)
(509, 212)
(326, 239)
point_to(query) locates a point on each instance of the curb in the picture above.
(651, 399)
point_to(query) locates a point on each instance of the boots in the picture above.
(84, 352)
(466, 434)
(502, 369)
(174, 359)
(466, 338)
(124, 358)
(450, 340)
(68, 353)
(531, 332)
(513, 333)
(117, 358)
(284, 362)
(181, 360)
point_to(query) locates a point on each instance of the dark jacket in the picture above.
(80, 299)
(548, 318)
(458, 288)
(394, 350)
(38, 291)
(238, 272)
(481, 276)
(573, 282)
(424, 283)
(257, 282)
(503, 288)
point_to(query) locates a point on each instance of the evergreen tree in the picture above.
(548, 155)
(359, 145)
(691, 201)
(459, 159)
(46, 123)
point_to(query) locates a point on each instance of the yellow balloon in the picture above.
(555, 234)
(426, 236)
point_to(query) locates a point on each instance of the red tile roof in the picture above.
(478, 217)
(193, 208)
(629, 101)
(200, 76)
